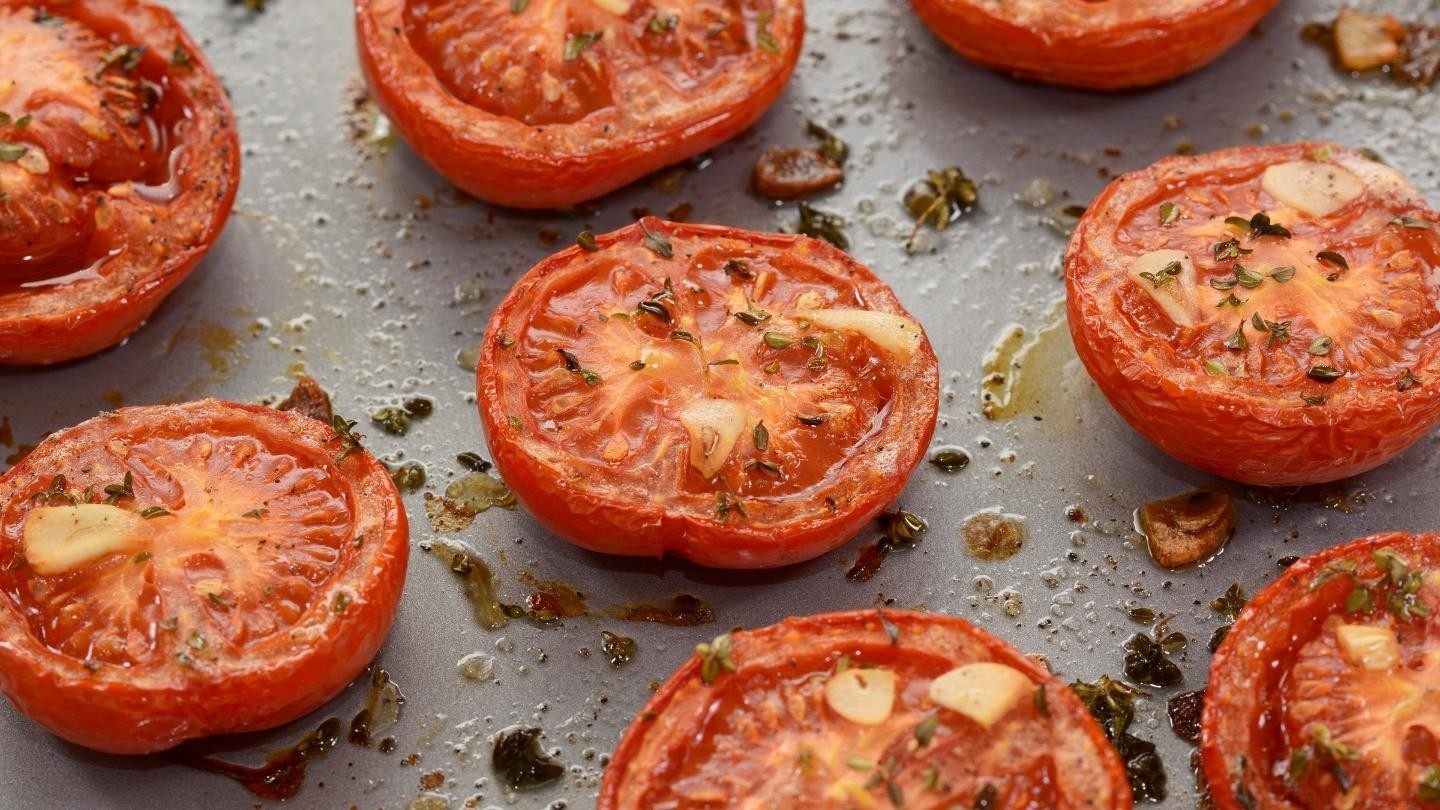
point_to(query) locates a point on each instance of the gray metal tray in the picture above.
(363, 268)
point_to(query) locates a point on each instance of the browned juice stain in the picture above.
(283, 773)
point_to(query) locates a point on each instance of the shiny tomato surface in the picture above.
(548, 104)
(1326, 692)
(119, 162)
(1267, 314)
(1098, 45)
(762, 733)
(673, 391)
(254, 575)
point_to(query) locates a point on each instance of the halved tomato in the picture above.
(1268, 314)
(868, 709)
(177, 571)
(1093, 44)
(1326, 692)
(741, 399)
(548, 104)
(118, 166)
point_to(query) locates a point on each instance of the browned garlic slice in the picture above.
(897, 336)
(1374, 648)
(865, 697)
(57, 539)
(984, 691)
(1310, 187)
(714, 426)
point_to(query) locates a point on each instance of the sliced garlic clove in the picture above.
(714, 426)
(1374, 648)
(863, 696)
(621, 7)
(1367, 41)
(984, 691)
(1168, 277)
(58, 539)
(1315, 189)
(899, 337)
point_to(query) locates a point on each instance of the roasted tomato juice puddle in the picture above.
(118, 165)
(1268, 314)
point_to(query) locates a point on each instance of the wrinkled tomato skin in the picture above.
(161, 245)
(561, 497)
(508, 162)
(1248, 671)
(673, 720)
(1117, 45)
(120, 712)
(1254, 435)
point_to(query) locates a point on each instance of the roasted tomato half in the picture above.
(864, 710)
(118, 166)
(548, 104)
(1326, 692)
(1093, 44)
(745, 400)
(1267, 314)
(178, 571)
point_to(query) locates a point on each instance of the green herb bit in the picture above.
(576, 44)
(765, 466)
(944, 196)
(1314, 399)
(152, 512)
(1324, 374)
(1282, 274)
(685, 336)
(1237, 340)
(1321, 345)
(1229, 249)
(1230, 603)
(1223, 284)
(715, 657)
(822, 225)
(813, 421)
(126, 57)
(1260, 225)
(1163, 276)
(662, 24)
(658, 244)
(144, 556)
(752, 316)
(517, 6)
(1412, 222)
(859, 763)
(925, 732)
(125, 490)
(181, 57)
(739, 268)
(1333, 259)
(1042, 703)
(1247, 278)
(515, 423)
(724, 506)
(1407, 380)
(1429, 790)
(761, 437)
(1169, 213)
(762, 31)
(1361, 600)
(586, 241)
(775, 340)
(830, 145)
(1216, 368)
(729, 361)
(349, 442)
(342, 602)
(196, 640)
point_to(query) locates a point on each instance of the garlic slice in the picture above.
(1168, 276)
(58, 539)
(714, 426)
(1316, 189)
(863, 696)
(897, 336)
(1374, 648)
(984, 691)
(621, 7)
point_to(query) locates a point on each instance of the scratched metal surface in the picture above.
(362, 268)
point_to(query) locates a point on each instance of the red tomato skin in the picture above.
(559, 500)
(110, 711)
(835, 628)
(1150, 47)
(510, 163)
(65, 323)
(1252, 662)
(1246, 437)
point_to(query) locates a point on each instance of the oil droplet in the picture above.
(683, 611)
(468, 358)
(478, 581)
(994, 535)
(382, 708)
(520, 762)
(619, 650)
(476, 667)
(465, 498)
(1038, 373)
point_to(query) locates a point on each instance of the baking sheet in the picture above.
(363, 268)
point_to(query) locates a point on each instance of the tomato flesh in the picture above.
(590, 364)
(1295, 719)
(1270, 341)
(118, 161)
(256, 571)
(765, 735)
